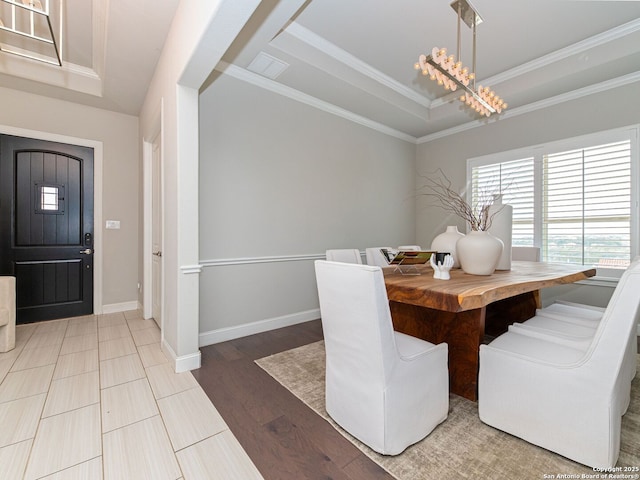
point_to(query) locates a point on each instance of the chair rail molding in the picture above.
(220, 262)
(189, 269)
(229, 333)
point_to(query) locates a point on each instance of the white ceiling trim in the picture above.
(531, 107)
(305, 35)
(275, 87)
(296, 95)
(575, 49)
(69, 75)
(546, 60)
(319, 43)
(100, 19)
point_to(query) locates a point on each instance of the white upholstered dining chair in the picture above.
(346, 255)
(410, 248)
(565, 397)
(530, 254)
(375, 256)
(575, 325)
(387, 389)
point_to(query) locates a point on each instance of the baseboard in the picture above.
(121, 307)
(229, 333)
(183, 363)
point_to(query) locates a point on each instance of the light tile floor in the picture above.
(94, 397)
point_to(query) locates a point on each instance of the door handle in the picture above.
(87, 251)
(157, 254)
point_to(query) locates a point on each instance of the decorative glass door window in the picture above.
(49, 198)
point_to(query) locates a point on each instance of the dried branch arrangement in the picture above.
(438, 189)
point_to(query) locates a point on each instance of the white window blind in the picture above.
(514, 181)
(575, 199)
(587, 206)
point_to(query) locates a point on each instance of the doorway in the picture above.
(47, 226)
(156, 232)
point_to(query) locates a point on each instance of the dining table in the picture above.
(467, 310)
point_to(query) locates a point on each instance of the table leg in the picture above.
(462, 331)
(506, 312)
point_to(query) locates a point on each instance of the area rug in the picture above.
(460, 447)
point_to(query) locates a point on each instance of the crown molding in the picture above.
(315, 41)
(293, 94)
(575, 49)
(319, 43)
(99, 47)
(532, 107)
(284, 90)
(305, 35)
(546, 60)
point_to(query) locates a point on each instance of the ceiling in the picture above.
(355, 58)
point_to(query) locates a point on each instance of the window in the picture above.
(575, 199)
(514, 180)
(48, 198)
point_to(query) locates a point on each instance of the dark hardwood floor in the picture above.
(285, 439)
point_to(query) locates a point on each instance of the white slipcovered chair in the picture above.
(578, 337)
(581, 314)
(571, 324)
(529, 254)
(7, 313)
(385, 388)
(375, 256)
(561, 394)
(575, 325)
(346, 255)
(410, 248)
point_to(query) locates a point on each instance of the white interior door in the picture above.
(156, 233)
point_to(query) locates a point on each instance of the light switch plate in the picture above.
(113, 224)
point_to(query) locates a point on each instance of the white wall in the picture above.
(118, 135)
(603, 111)
(200, 33)
(281, 179)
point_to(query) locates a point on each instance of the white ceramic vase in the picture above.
(446, 242)
(479, 252)
(502, 228)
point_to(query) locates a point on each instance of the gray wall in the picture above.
(280, 182)
(280, 179)
(603, 111)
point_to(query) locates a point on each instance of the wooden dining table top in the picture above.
(466, 292)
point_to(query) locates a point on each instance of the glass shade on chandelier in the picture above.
(453, 75)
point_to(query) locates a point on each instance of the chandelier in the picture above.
(452, 75)
(27, 30)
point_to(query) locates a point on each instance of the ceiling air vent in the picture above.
(267, 66)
